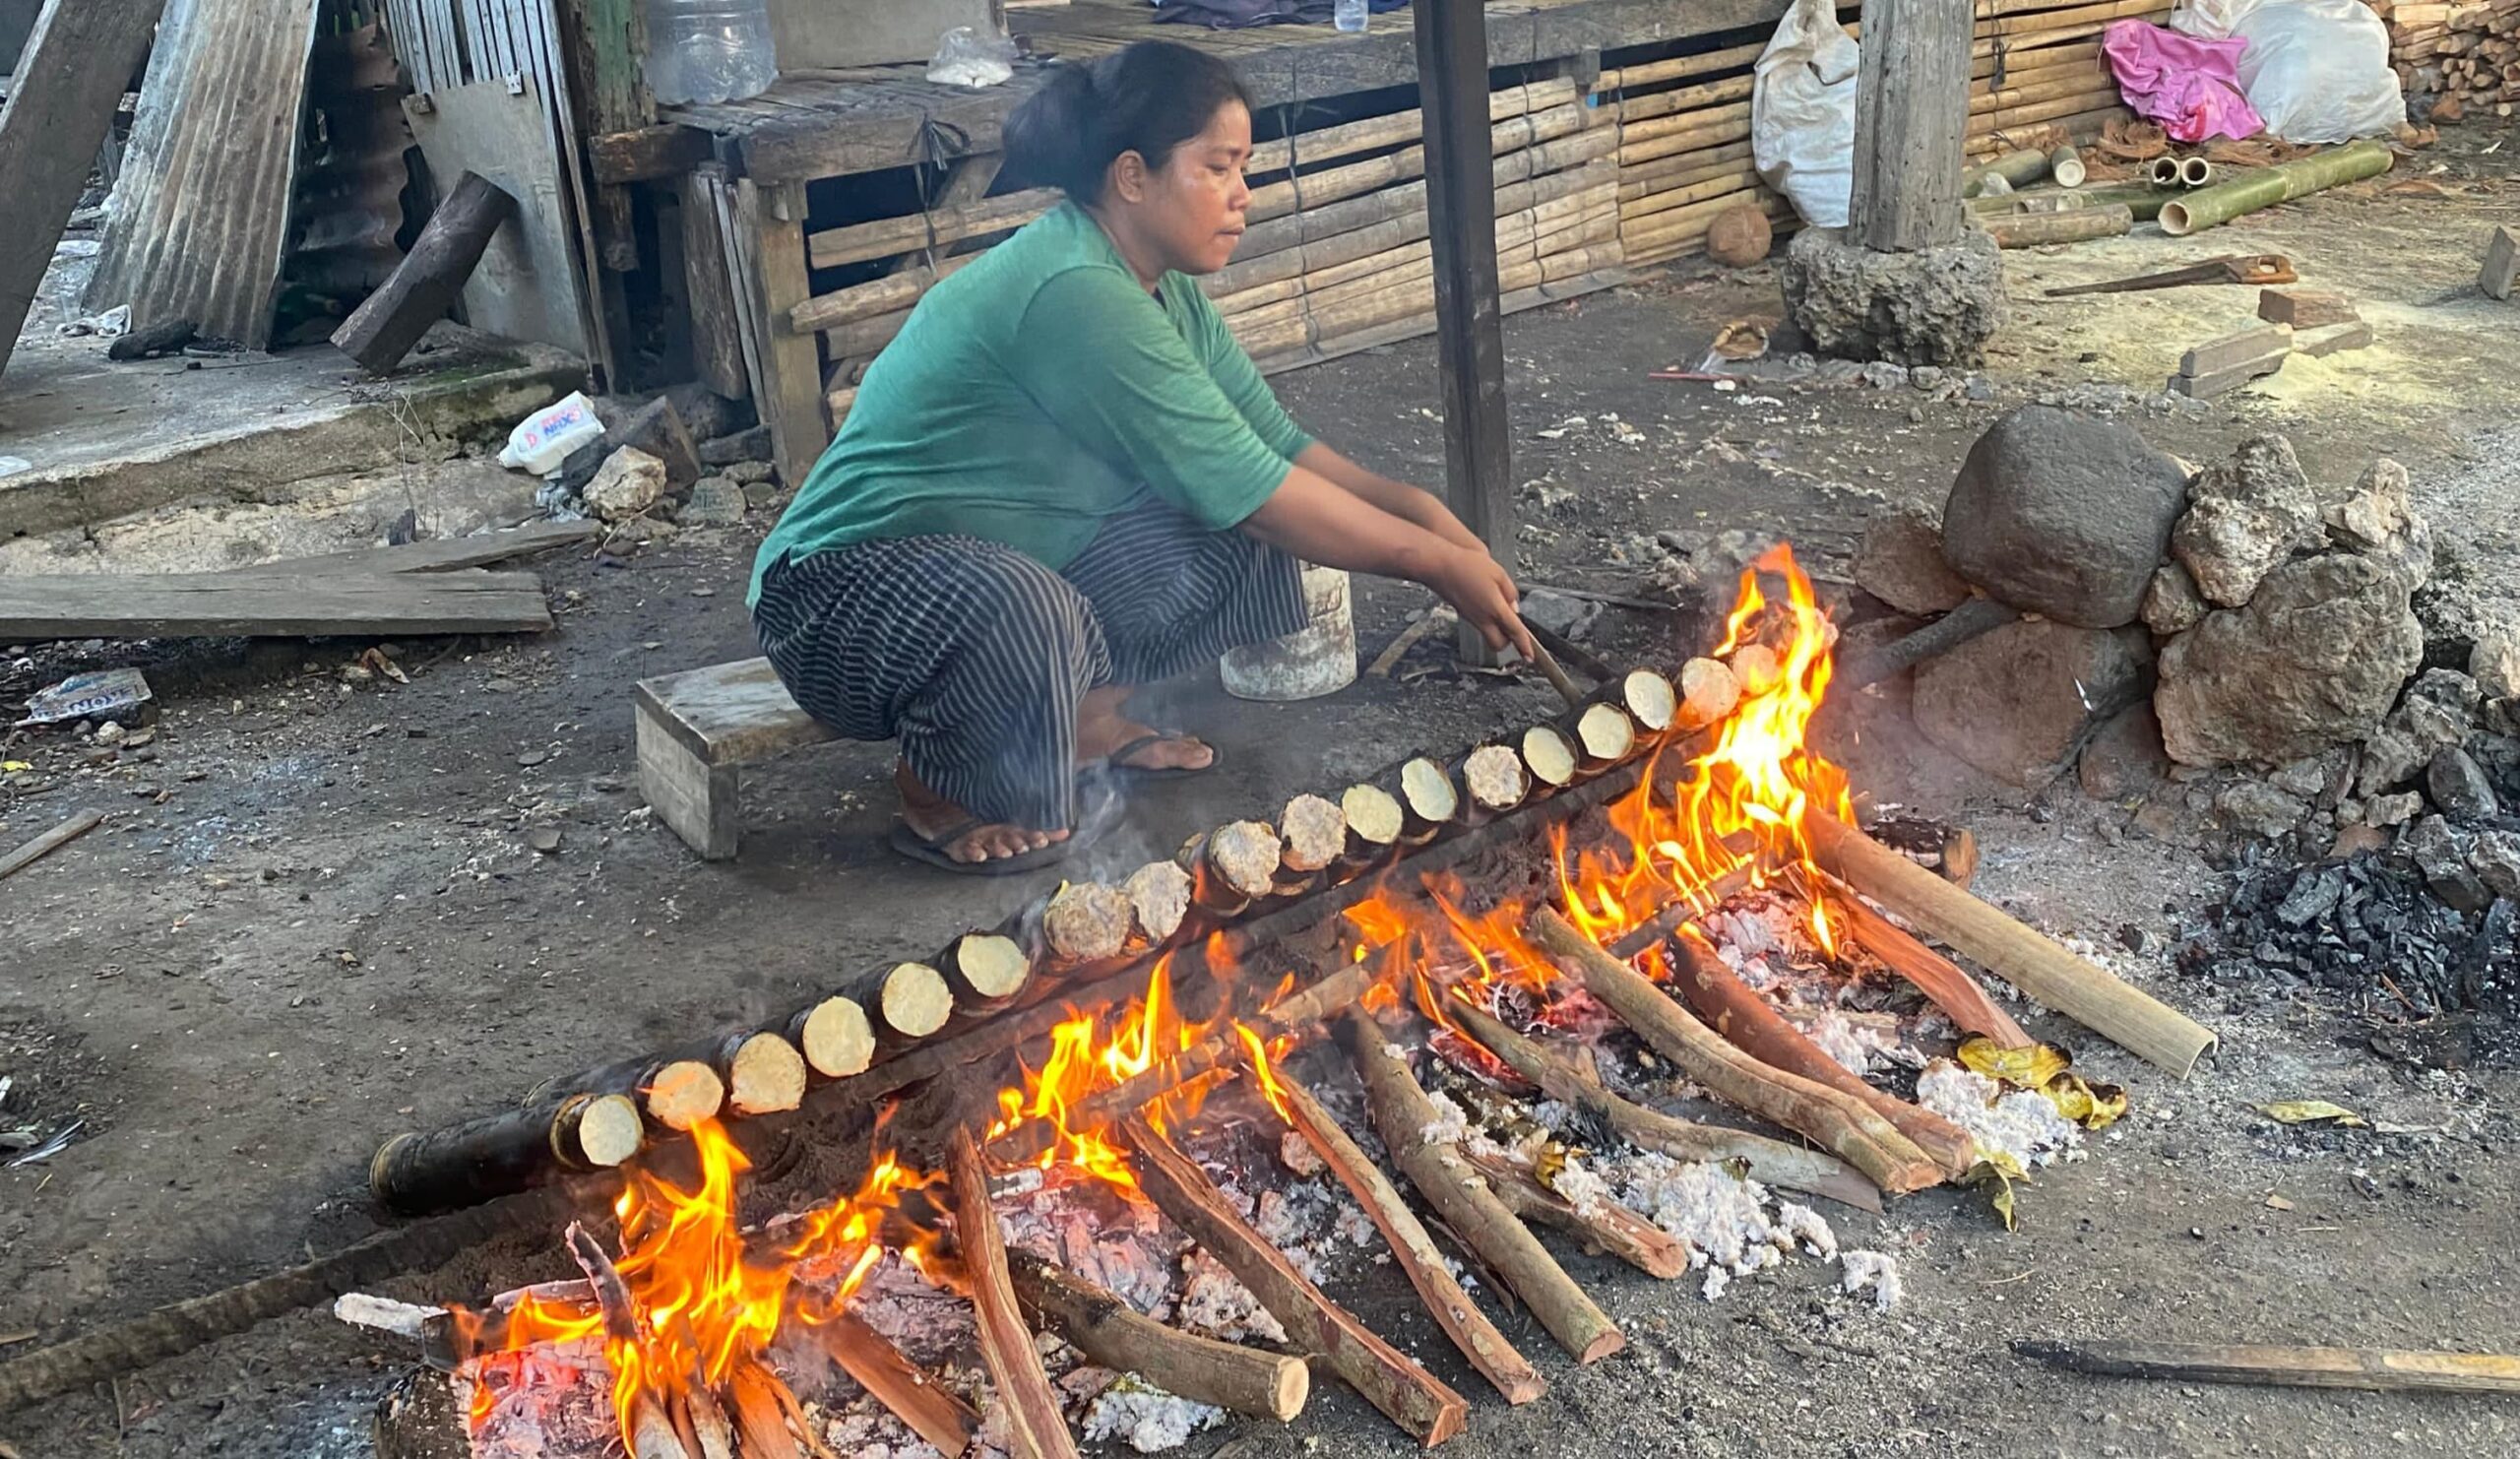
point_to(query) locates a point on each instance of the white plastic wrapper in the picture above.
(1802, 112)
(2316, 70)
(544, 439)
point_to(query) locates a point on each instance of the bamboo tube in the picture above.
(1986, 67)
(2071, 80)
(1311, 190)
(2101, 96)
(1349, 138)
(1676, 68)
(1634, 109)
(1722, 185)
(764, 1074)
(2281, 183)
(865, 300)
(1415, 1249)
(2065, 164)
(835, 1037)
(1680, 172)
(2125, 1016)
(415, 1173)
(1690, 222)
(1569, 1077)
(2378, 1369)
(885, 238)
(2077, 226)
(1403, 1114)
(1842, 1126)
(2041, 21)
(1664, 135)
(1314, 253)
(1238, 1379)
(2195, 173)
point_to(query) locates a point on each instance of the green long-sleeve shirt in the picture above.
(1035, 393)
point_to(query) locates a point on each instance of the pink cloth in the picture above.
(2189, 85)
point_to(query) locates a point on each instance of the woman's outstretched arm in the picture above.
(1408, 503)
(1320, 521)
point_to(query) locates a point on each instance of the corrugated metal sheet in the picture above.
(199, 223)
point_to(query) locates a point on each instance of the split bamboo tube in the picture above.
(1351, 138)
(1677, 68)
(2074, 987)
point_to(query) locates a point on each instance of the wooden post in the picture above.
(430, 278)
(1461, 202)
(1911, 113)
(61, 104)
(772, 222)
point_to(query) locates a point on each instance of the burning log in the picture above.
(905, 1391)
(652, 1434)
(835, 1037)
(708, 1428)
(1938, 978)
(1087, 921)
(1036, 1429)
(1612, 1226)
(764, 1074)
(1570, 1079)
(1549, 757)
(1493, 776)
(1845, 1126)
(1238, 1379)
(2089, 996)
(1374, 822)
(1404, 1115)
(1734, 1009)
(760, 1418)
(1159, 894)
(1410, 1396)
(1709, 691)
(986, 969)
(1414, 1249)
(1428, 794)
(416, 1174)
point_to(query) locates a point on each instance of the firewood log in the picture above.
(906, 1392)
(1035, 1428)
(1607, 1225)
(1238, 1379)
(1940, 980)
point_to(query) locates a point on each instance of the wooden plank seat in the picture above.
(696, 732)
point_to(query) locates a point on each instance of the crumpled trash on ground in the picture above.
(2188, 83)
(2317, 71)
(543, 440)
(122, 695)
(112, 324)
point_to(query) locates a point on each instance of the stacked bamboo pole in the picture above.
(2466, 56)
(1684, 122)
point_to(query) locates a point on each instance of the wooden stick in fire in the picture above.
(652, 1434)
(1606, 1223)
(907, 1392)
(1735, 1010)
(2074, 987)
(1550, 669)
(1233, 1377)
(1414, 1249)
(1419, 1403)
(1845, 1126)
(1570, 1079)
(1938, 978)
(1036, 1426)
(1402, 1113)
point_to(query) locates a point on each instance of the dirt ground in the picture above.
(313, 918)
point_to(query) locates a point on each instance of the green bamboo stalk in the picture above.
(2019, 167)
(2074, 226)
(2141, 198)
(2208, 206)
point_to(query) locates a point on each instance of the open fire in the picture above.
(688, 1307)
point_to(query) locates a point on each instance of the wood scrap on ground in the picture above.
(49, 842)
(2381, 1369)
(263, 605)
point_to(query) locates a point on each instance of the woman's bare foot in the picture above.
(932, 815)
(1101, 729)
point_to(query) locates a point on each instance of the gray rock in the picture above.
(2314, 660)
(2440, 852)
(2171, 603)
(2126, 758)
(2378, 521)
(2063, 515)
(750, 471)
(2312, 897)
(1881, 374)
(2440, 708)
(1938, 306)
(2496, 860)
(2390, 758)
(2255, 808)
(2016, 702)
(2308, 777)
(2494, 663)
(717, 501)
(2387, 811)
(1928, 377)
(630, 481)
(1567, 618)
(744, 445)
(1900, 562)
(2458, 786)
(2245, 516)
(2166, 822)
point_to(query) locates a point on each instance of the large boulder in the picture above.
(2317, 658)
(2245, 516)
(2018, 702)
(1900, 561)
(2063, 514)
(1934, 306)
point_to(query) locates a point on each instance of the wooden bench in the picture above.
(696, 732)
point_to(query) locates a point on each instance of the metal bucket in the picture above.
(1317, 659)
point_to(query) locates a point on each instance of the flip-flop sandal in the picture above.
(1116, 761)
(1096, 808)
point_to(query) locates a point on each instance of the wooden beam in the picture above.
(49, 842)
(771, 224)
(647, 153)
(208, 605)
(2381, 1369)
(1461, 205)
(1912, 112)
(1036, 1429)
(1106, 1329)
(70, 79)
(907, 1392)
(428, 281)
(443, 555)
(1410, 1396)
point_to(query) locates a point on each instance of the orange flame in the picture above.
(1262, 1075)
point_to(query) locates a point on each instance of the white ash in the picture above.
(2020, 1123)
(1583, 1187)
(1743, 930)
(1149, 1419)
(1552, 1116)
(1838, 1039)
(1356, 1228)
(1809, 1227)
(927, 1324)
(1876, 1270)
(1449, 1126)
(1720, 1217)
(1717, 1280)
(1296, 1154)
(1213, 1303)
(867, 1431)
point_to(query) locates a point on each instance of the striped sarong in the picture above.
(975, 656)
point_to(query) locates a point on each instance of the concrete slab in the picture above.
(101, 440)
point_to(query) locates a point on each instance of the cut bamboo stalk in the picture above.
(905, 1390)
(1429, 794)
(1493, 777)
(2103, 96)
(2195, 173)
(1232, 865)
(912, 1001)
(885, 238)
(2065, 164)
(1649, 699)
(1712, 127)
(1410, 1397)
(1414, 1249)
(415, 1173)
(835, 1037)
(1607, 1225)
(1403, 1114)
(986, 969)
(764, 1074)
(2070, 81)
(1374, 819)
(897, 292)
(1709, 691)
(1734, 1009)
(1676, 68)
(2076, 225)
(1689, 222)
(1108, 1330)
(2376, 1369)
(1845, 1126)
(1087, 921)
(1313, 832)
(2020, 60)
(1652, 205)
(2125, 1016)
(2209, 207)
(1159, 894)
(1569, 1077)
(1990, 32)
(1349, 138)
(1605, 734)
(1680, 170)
(1940, 979)
(677, 1093)
(1035, 1428)
(1634, 109)
(2019, 167)
(1549, 757)
(1680, 123)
